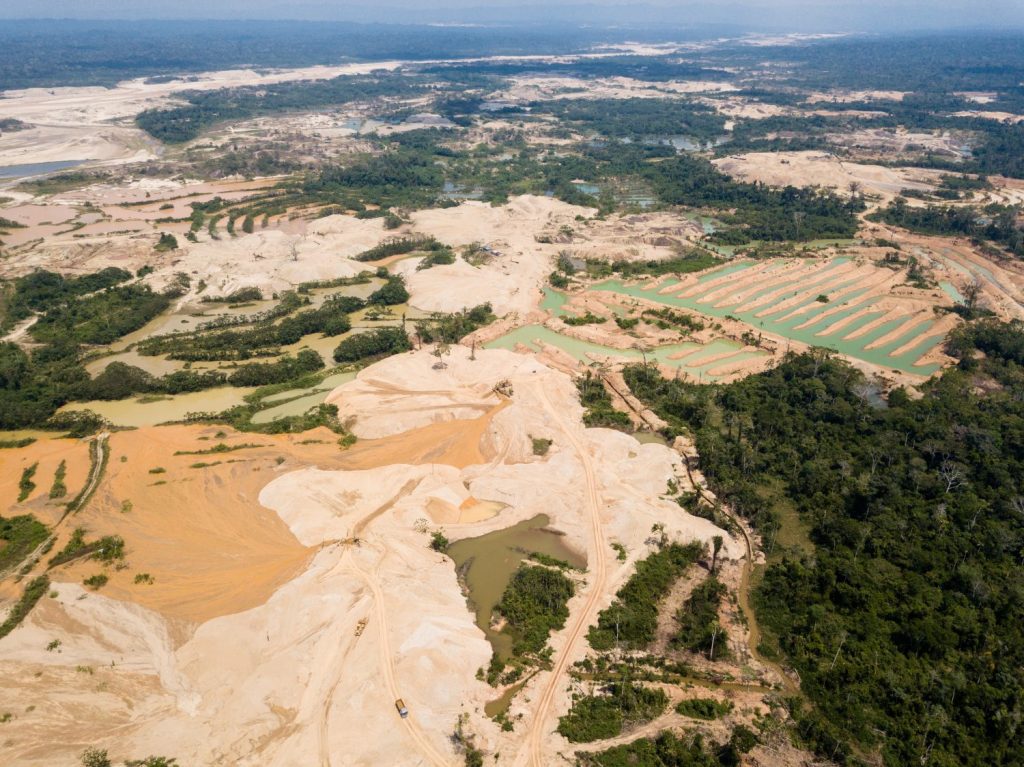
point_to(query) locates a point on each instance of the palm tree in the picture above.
(716, 544)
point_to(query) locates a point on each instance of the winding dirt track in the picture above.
(532, 752)
(387, 662)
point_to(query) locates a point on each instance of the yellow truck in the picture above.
(402, 710)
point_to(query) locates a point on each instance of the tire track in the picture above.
(533, 753)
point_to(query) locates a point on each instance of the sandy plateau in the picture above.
(245, 648)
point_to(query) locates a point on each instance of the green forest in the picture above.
(904, 617)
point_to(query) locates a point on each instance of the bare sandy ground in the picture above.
(812, 168)
(543, 87)
(47, 453)
(1003, 117)
(93, 123)
(246, 648)
(899, 142)
(510, 280)
(846, 97)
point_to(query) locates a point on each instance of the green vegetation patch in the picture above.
(622, 704)
(671, 750)
(21, 536)
(632, 619)
(704, 708)
(598, 403)
(375, 343)
(58, 489)
(34, 591)
(220, 447)
(994, 223)
(534, 604)
(25, 484)
(16, 443)
(398, 246)
(699, 627)
(914, 516)
(451, 328)
(108, 549)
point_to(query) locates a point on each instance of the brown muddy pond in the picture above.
(487, 563)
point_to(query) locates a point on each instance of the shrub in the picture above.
(541, 446)
(96, 582)
(597, 717)
(166, 242)
(704, 708)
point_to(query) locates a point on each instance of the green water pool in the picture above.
(797, 321)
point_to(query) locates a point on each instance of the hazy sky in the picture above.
(877, 15)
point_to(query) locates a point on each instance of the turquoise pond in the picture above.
(694, 359)
(950, 290)
(796, 321)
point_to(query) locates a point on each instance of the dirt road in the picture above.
(532, 751)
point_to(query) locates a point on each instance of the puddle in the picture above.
(488, 562)
(501, 704)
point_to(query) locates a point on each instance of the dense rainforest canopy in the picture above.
(904, 611)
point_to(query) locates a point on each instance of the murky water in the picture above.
(37, 168)
(143, 412)
(301, 400)
(490, 560)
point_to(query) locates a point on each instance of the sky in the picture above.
(798, 15)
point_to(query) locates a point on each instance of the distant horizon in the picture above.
(797, 16)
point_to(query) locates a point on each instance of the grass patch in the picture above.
(58, 489)
(33, 593)
(25, 484)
